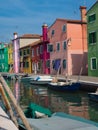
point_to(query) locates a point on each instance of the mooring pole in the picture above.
(16, 105)
(7, 104)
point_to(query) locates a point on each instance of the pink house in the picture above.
(68, 43)
(40, 55)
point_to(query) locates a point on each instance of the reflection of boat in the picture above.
(64, 86)
(62, 121)
(41, 80)
(93, 96)
(37, 111)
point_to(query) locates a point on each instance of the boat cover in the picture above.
(33, 108)
(62, 122)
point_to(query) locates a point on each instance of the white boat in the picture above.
(93, 96)
(64, 86)
(41, 80)
(26, 78)
(62, 121)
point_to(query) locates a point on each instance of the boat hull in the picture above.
(72, 87)
(93, 96)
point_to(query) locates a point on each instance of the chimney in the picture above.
(44, 31)
(15, 35)
(83, 13)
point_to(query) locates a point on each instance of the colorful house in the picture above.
(92, 32)
(40, 54)
(68, 46)
(4, 57)
(19, 42)
(10, 57)
(35, 57)
(25, 59)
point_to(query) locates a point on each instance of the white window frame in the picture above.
(92, 63)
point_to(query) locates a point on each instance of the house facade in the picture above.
(10, 57)
(92, 32)
(68, 46)
(4, 57)
(25, 59)
(20, 42)
(40, 54)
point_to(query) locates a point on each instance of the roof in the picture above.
(69, 21)
(30, 36)
(92, 6)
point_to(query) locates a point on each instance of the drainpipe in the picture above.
(84, 33)
(16, 53)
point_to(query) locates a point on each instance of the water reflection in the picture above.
(74, 103)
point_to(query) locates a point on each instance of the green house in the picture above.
(3, 57)
(92, 32)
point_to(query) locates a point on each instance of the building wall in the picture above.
(10, 57)
(58, 36)
(3, 57)
(25, 42)
(93, 49)
(76, 47)
(25, 60)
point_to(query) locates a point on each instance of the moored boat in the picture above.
(26, 78)
(64, 86)
(36, 111)
(93, 96)
(62, 121)
(41, 80)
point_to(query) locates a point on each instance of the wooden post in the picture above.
(7, 104)
(16, 105)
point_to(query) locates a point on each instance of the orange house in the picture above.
(68, 42)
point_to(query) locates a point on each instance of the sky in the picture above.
(28, 16)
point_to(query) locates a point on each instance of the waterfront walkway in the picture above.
(86, 80)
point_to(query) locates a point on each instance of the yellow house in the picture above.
(10, 57)
(25, 59)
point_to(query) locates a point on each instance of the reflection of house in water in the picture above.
(57, 104)
(74, 105)
(81, 110)
(17, 91)
(41, 96)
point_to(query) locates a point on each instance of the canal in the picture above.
(74, 103)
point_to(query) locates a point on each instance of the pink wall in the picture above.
(77, 46)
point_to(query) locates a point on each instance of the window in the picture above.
(91, 18)
(52, 33)
(37, 49)
(41, 49)
(64, 45)
(28, 51)
(64, 64)
(53, 63)
(93, 63)
(27, 65)
(48, 63)
(2, 56)
(20, 52)
(24, 52)
(58, 46)
(49, 48)
(32, 52)
(92, 38)
(64, 28)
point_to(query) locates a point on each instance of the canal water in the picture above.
(74, 103)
